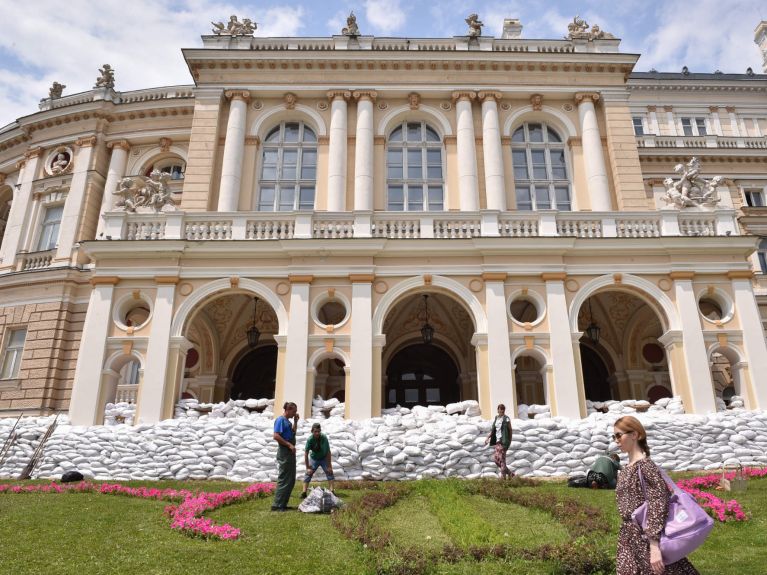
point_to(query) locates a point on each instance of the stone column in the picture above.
(85, 406)
(733, 121)
(234, 149)
(593, 157)
(653, 127)
(359, 394)
(118, 163)
(73, 208)
(566, 401)
(701, 388)
(363, 152)
(152, 398)
(297, 344)
(468, 186)
(670, 123)
(19, 215)
(495, 187)
(499, 367)
(337, 151)
(716, 123)
(379, 342)
(753, 338)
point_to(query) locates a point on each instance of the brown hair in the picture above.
(628, 424)
(501, 406)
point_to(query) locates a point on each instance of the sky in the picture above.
(43, 41)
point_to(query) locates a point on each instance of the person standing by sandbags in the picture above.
(285, 436)
(316, 455)
(500, 437)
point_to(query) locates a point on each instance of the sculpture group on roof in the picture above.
(106, 77)
(475, 26)
(234, 27)
(351, 29)
(56, 90)
(578, 29)
(690, 190)
(151, 193)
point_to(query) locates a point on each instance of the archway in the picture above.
(596, 377)
(330, 379)
(256, 374)
(727, 377)
(422, 374)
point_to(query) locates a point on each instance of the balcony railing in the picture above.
(710, 141)
(127, 393)
(213, 226)
(34, 260)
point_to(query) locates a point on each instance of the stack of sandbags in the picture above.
(121, 412)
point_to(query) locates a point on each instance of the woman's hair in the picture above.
(628, 424)
(316, 426)
(501, 406)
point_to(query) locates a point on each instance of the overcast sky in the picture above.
(67, 41)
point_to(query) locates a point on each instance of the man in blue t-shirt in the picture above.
(285, 436)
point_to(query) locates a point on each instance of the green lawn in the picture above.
(92, 534)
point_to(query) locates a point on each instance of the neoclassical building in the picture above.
(388, 221)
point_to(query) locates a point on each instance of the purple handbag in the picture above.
(687, 523)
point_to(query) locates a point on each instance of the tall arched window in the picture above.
(414, 180)
(288, 168)
(540, 169)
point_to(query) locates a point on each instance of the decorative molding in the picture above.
(713, 109)
(450, 140)
(427, 279)
(536, 101)
(336, 94)
(167, 280)
(668, 108)
(104, 280)
(379, 140)
(414, 99)
(362, 278)
(165, 144)
(584, 96)
(323, 140)
(86, 142)
(740, 275)
(554, 276)
(506, 140)
(574, 141)
(366, 95)
(33, 153)
(234, 282)
(290, 100)
(681, 275)
(300, 279)
(730, 109)
(652, 108)
(252, 141)
(494, 276)
(490, 94)
(463, 95)
(120, 144)
(243, 95)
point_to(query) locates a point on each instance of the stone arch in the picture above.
(547, 114)
(536, 351)
(269, 118)
(542, 359)
(321, 354)
(447, 345)
(442, 284)
(218, 287)
(138, 166)
(400, 113)
(642, 288)
(738, 368)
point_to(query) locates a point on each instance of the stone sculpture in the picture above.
(234, 27)
(578, 29)
(475, 26)
(690, 190)
(145, 193)
(56, 90)
(351, 26)
(60, 163)
(106, 78)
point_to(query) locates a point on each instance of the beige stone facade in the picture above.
(518, 184)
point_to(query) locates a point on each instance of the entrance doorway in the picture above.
(595, 375)
(255, 374)
(422, 374)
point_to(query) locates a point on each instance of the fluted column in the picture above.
(594, 159)
(363, 152)
(495, 187)
(337, 150)
(234, 149)
(118, 163)
(468, 187)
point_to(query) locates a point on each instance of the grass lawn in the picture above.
(93, 534)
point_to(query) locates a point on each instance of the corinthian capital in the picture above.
(464, 95)
(119, 144)
(339, 94)
(243, 95)
(586, 97)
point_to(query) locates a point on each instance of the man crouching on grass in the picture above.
(285, 436)
(317, 454)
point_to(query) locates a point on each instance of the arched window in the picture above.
(414, 180)
(288, 168)
(540, 169)
(174, 166)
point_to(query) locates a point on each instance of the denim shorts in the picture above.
(314, 465)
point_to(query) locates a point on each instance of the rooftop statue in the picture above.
(145, 193)
(56, 90)
(234, 27)
(578, 29)
(475, 26)
(351, 26)
(690, 190)
(106, 78)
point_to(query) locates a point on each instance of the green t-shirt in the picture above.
(318, 450)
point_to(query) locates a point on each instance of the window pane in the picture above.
(686, 127)
(763, 262)
(524, 200)
(552, 134)
(306, 198)
(291, 132)
(638, 127)
(287, 197)
(9, 359)
(536, 132)
(274, 135)
(392, 396)
(17, 338)
(519, 160)
(701, 123)
(431, 135)
(396, 200)
(414, 132)
(558, 169)
(309, 157)
(394, 164)
(542, 201)
(414, 164)
(289, 160)
(436, 198)
(396, 135)
(54, 214)
(411, 396)
(519, 135)
(415, 198)
(266, 201)
(539, 164)
(309, 135)
(563, 198)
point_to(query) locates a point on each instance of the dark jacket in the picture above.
(505, 432)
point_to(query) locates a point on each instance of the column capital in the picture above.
(33, 153)
(464, 95)
(104, 280)
(740, 275)
(490, 95)
(713, 109)
(581, 97)
(233, 95)
(365, 95)
(450, 140)
(554, 276)
(668, 108)
(681, 275)
(119, 144)
(252, 141)
(652, 108)
(167, 280)
(86, 142)
(339, 95)
(300, 279)
(362, 278)
(730, 109)
(494, 276)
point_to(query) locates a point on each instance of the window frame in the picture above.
(15, 352)
(761, 255)
(552, 184)
(278, 184)
(694, 125)
(752, 192)
(639, 125)
(408, 184)
(46, 225)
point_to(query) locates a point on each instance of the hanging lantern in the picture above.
(253, 332)
(427, 331)
(593, 331)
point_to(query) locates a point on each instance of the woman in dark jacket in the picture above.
(500, 437)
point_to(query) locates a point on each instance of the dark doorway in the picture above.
(595, 375)
(657, 392)
(422, 374)
(256, 374)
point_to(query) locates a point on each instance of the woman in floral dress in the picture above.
(638, 552)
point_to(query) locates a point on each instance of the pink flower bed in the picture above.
(719, 509)
(186, 516)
